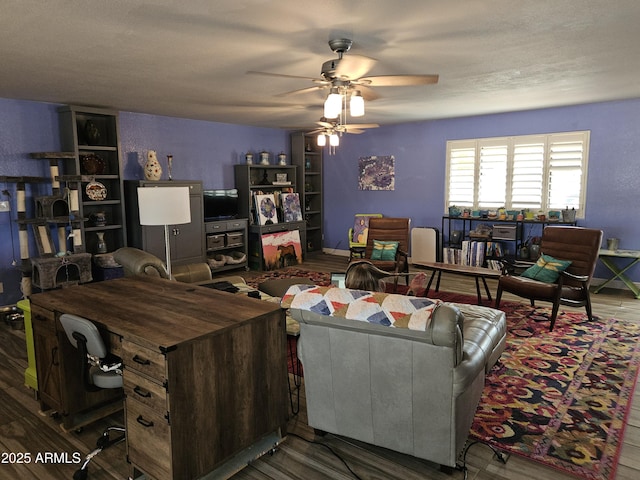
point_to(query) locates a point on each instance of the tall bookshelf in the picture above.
(264, 179)
(307, 156)
(92, 135)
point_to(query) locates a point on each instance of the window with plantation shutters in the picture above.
(535, 172)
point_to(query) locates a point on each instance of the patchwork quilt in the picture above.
(387, 309)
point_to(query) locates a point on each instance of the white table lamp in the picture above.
(164, 206)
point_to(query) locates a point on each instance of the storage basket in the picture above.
(569, 215)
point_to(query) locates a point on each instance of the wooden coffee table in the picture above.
(479, 273)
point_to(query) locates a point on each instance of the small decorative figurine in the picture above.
(170, 163)
(152, 169)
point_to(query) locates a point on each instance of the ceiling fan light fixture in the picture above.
(333, 104)
(356, 104)
(322, 140)
(334, 140)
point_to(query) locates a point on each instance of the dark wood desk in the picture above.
(205, 372)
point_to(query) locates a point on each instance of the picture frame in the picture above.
(291, 209)
(266, 209)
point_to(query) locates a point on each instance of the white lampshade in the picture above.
(164, 205)
(334, 140)
(322, 140)
(333, 104)
(356, 105)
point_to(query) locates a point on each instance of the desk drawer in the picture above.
(148, 440)
(145, 391)
(144, 360)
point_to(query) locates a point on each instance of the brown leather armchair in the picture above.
(577, 244)
(390, 229)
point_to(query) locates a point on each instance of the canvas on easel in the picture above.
(291, 210)
(266, 211)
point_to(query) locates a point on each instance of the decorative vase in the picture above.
(534, 251)
(282, 159)
(170, 164)
(101, 246)
(99, 219)
(152, 169)
(264, 158)
(248, 158)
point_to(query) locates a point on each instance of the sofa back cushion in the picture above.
(389, 310)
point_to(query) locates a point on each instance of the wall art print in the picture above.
(266, 210)
(291, 210)
(281, 249)
(376, 172)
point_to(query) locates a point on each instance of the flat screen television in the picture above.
(220, 204)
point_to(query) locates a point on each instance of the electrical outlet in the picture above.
(4, 206)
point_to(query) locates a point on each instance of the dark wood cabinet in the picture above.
(187, 240)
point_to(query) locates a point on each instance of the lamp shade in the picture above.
(322, 140)
(164, 205)
(356, 105)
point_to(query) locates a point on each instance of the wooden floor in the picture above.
(302, 455)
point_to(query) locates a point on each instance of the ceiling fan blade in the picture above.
(399, 80)
(302, 90)
(313, 132)
(354, 130)
(359, 126)
(325, 124)
(253, 72)
(369, 94)
(352, 67)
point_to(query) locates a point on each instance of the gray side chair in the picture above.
(100, 369)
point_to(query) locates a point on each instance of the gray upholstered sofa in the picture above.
(404, 373)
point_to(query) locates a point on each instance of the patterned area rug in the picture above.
(560, 398)
(318, 278)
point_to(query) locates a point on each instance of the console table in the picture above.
(632, 257)
(205, 372)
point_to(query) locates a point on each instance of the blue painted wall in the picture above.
(201, 150)
(613, 186)
(207, 151)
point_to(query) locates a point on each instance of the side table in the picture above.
(632, 257)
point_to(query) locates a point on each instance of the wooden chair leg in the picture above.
(498, 295)
(554, 314)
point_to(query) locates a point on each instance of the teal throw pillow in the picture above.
(384, 250)
(547, 269)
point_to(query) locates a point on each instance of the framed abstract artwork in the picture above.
(291, 210)
(376, 173)
(266, 211)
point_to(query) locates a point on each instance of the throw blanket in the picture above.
(387, 309)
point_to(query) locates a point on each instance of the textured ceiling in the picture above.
(189, 59)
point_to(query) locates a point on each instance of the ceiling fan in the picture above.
(329, 126)
(345, 77)
(333, 130)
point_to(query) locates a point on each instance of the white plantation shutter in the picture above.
(566, 166)
(462, 177)
(492, 188)
(538, 172)
(527, 178)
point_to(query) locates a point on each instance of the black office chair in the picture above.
(100, 369)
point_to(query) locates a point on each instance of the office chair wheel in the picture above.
(81, 474)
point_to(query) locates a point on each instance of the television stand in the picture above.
(226, 244)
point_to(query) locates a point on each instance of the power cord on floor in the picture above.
(331, 450)
(463, 467)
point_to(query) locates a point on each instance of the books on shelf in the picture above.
(475, 254)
